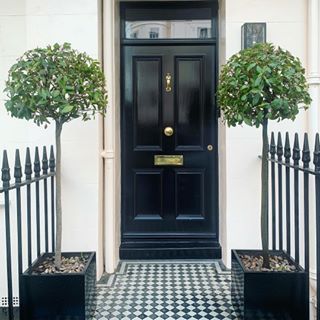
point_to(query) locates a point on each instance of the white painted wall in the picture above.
(75, 22)
(25, 24)
(12, 20)
(286, 26)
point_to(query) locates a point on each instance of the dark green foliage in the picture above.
(259, 84)
(60, 84)
(262, 81)
(55, 83)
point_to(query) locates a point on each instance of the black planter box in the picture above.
(58, 296)
(258, 295)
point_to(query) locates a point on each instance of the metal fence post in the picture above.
(5, 177)
(296, 158)
(316, 161)
(287, 156)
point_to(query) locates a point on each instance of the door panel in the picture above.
(147, 189)
(190, 194)
(147, 102)
(189, 102)
(174, 208)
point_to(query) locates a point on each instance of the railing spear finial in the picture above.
(52, 161)
(279, 146)
(17, 167)
(272, 146)
(5, 176)
(45, 164)
(28, 165)
(306, 151)
(36, 165)
(287, 148)
(296, 149)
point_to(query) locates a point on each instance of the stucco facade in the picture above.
(91, 151)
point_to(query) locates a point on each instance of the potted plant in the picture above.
(257, 85)
(56, 84)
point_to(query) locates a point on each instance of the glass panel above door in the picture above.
(167, 20)
(168, 29)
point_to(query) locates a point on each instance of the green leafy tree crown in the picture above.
(262, 82)
(56, 83)
(60, 84)
(259, 84)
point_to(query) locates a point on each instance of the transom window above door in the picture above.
(169, 20)
(169, 29)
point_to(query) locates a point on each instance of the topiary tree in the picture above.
(57, 84)
(259, 84)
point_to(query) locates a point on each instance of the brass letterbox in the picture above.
(168, 160)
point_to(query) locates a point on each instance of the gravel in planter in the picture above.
(74, 264)
(277, 263)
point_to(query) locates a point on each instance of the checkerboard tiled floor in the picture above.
(166, 290)
(160, 290)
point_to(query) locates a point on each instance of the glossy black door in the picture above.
(169, 211)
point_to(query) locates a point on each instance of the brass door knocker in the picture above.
(168, 81)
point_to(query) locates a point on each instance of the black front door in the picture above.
(169, 152)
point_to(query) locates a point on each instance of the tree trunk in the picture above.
(58, 197)
(265, 195)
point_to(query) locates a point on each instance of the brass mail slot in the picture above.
(168, 160)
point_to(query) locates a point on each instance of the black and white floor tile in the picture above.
(165, 290)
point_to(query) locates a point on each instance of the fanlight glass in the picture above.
(169, 29)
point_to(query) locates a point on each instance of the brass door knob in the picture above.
(210, 147)
(168, 131)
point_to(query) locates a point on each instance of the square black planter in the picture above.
(258, 295)
(58, 296)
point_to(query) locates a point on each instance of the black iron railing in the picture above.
(294, 180)
(37, 175)
(299, 191)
